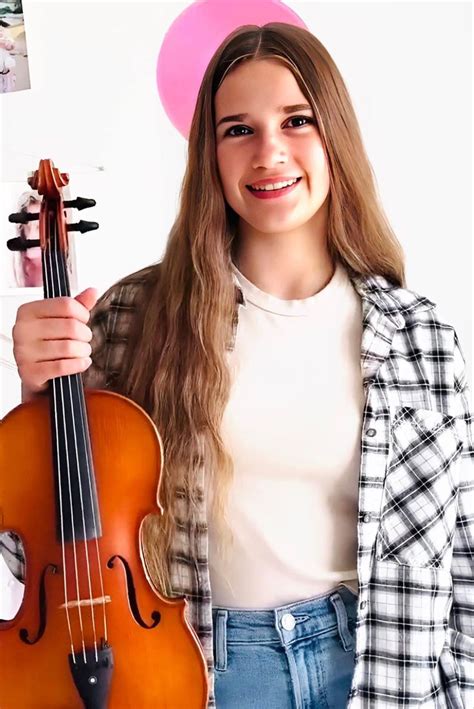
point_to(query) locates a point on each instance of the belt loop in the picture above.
(342, 618)
(220, 634)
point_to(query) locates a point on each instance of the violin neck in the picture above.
(55, 273)
(77, 503)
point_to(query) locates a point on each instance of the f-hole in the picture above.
(132, 596)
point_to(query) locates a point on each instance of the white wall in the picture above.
(94, 104)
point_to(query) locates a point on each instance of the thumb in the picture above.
(87, 298)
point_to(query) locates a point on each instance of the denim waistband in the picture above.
(290, 622)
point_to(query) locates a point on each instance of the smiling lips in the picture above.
(273, 194)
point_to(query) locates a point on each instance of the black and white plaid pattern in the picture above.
(12, 552)
(415, 626)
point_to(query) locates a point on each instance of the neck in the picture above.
(289, 265)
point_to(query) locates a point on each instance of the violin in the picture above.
(79, 470)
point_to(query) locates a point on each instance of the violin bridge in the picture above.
(87, 602)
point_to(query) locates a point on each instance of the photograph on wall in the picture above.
(14, 69)
(21, 268)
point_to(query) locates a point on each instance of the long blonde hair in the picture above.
(179, 372)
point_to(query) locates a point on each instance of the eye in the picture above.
(293, 118)
(305, 118)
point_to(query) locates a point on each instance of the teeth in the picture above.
(275, 186)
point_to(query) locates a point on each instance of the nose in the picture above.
(270, 150)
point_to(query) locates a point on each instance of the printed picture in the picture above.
(22, 267)
(14, 69)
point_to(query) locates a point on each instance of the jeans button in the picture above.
(288, 621)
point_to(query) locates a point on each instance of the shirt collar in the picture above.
(392, 300)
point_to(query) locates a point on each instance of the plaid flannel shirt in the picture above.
(415, 529)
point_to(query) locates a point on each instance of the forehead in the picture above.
(256, 85)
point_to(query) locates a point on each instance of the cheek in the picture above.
(226, 157)
(320, 167)
(229, 167)
(318, 156)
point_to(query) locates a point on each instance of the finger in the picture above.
(39, 374)
(63, 307)
(53, 329)
(88, 298)
(56, 350)
(49, 351)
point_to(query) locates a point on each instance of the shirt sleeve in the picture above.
(461, 623)
(97, 375)
(11, 549)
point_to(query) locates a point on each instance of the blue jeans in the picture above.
(299, 656)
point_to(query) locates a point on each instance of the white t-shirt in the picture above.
(293, 428)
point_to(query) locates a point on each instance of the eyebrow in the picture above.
(282, 109)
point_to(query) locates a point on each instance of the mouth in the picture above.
(273, 194)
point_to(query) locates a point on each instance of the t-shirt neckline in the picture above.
(296, 307)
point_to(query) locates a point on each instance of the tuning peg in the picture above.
(83, 226)
(22, 244)
(23, 217)
(80, 203)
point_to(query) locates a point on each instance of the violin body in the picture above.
(160, 667)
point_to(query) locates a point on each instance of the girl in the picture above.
(319, 488)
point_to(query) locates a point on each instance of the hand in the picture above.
(51, 339)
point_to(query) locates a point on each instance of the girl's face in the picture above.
(269, 142)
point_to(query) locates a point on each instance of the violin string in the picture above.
(59, 381)
(74, 549)
(82, 411)
(84, 527)
(48, 290)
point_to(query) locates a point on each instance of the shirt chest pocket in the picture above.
(419, 501)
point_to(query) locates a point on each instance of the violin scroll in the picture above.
(48, 181)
